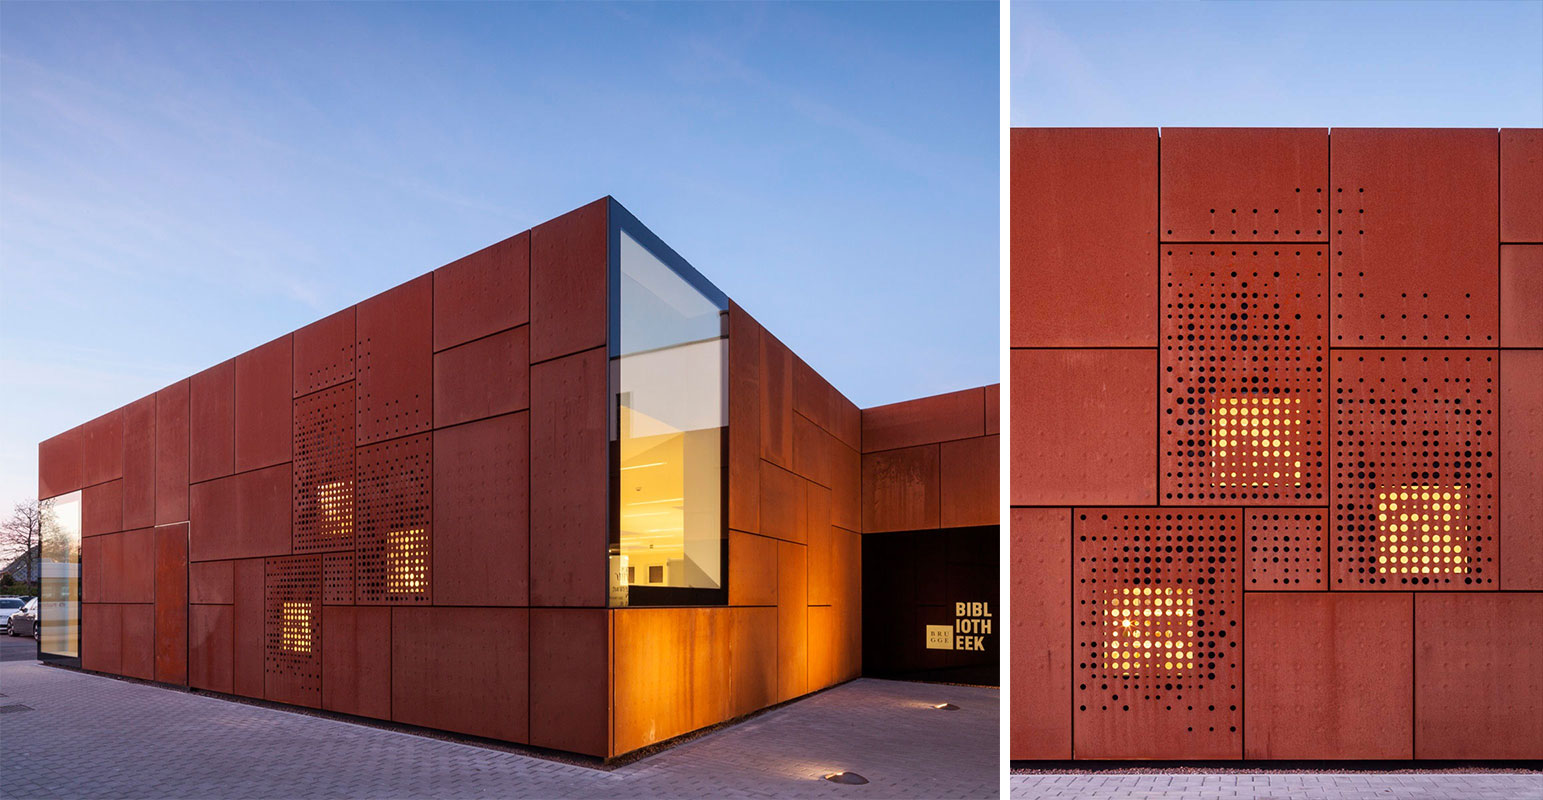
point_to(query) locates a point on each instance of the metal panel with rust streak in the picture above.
(938, 418)
(1521, 185)
(1084, 231)
(210, 630)
(394, 359)
(902, 489)
(248, 627)
(471, 676)
(1521, 469)
(570, 679)
(1328, 675)
(1040, 588)
(1245, 184)
(776, 401)
(1413, 215)
(171, 604)
(1478, 673)
(752, 570)
(792, 621)
(970, 487)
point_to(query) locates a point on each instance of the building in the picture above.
(1277, 399)
(561, 492)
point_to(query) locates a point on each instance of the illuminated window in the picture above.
(407, 561)
(335, 501)
(1253, 441)
(295, 627)
(1420, 531)
(1149, 629)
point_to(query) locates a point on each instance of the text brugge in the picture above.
(972, 624)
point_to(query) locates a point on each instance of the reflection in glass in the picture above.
(59, 609)
(670, 367)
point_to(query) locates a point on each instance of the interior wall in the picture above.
(1367, 297)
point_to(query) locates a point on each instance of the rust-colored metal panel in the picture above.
(482, 513)
(822, 640)
(138, 640)
(337, 578)
(902, 490)
(136, 579)
(483, 293)
(1244, 389)
(101, 641)
(812, 448)
(1521, 469)
(1084, 230)
(784, 504)
(970, 480)
(171, 454)
(356, 660)
(394, 539)
(171, 604)
(792, 621)
(101, 508)
(752, 570)
(652, 675)
(1414, 469)
(820, 551)
(292, 630)
(472, 676)
(139, 463)
(1521, 185)
(212, 422)
(1521, 295)
(568, 277)
(394, 361)
(211, 582)
(59, 464)
(1328, 675)
(210, 634)
(1040, 719)
(776, 401)
(1414, 249)
(1084, 427)
(569, 465)
(1287, 548)
(846, 491)
(264, 398)
(752, 659)
(484, 378)
(1245, 184)
(1159, 614)
(744, 421)
(570, 680)
(248, 614)
(847, 600)
(246, 515)
(939, 418)
(324, 498)
(101, 448)
(93, 572)
(324, 352)
(1478, 675)
(993, 409)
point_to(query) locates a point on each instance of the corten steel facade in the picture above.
(410, 510)
(1277, 460)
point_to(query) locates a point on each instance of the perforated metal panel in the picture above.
(337, 578)
(292, 627)
(1157, 633)
(395, 372)
(392, 548)
(1414, 469)
(1286, 548)
(1244, 375)
(324, 470)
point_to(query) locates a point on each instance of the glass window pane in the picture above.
(59, 610)
(671, 373)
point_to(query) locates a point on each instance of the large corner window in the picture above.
(59, 606)
(669, 373)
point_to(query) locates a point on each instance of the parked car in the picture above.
(9, 606)
(24, 621)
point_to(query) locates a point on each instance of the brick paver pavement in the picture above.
(95, 737)
(1278, 786)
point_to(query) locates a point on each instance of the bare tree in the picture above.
(22, 532)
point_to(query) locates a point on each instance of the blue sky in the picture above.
(181, 182)
(1372, 64)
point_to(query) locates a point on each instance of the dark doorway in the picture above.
(930, 605)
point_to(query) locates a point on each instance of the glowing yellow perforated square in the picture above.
(1254, 441)
(295, 629)
(1421, 531)
(335, 500)
(407, 561)
(1149, 629)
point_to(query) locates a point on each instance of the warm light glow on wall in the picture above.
(407, 561)
(1253, 441)
(295, 627)
(1421, 531)
(335, 502)
(1149, 628)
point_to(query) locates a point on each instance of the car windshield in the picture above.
(12, 602)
